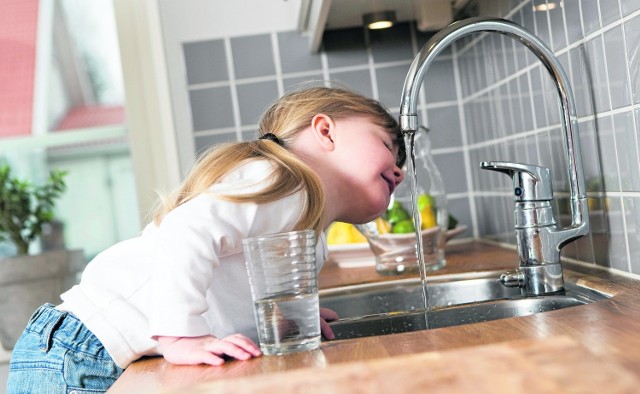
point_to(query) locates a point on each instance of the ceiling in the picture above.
(319, 15)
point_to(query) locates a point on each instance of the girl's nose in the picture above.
(398, 173)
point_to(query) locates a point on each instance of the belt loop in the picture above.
(46, 339)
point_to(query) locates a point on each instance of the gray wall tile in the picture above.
(444, 123)
(295, 55)
(451, 170)
(359, 81)
(609, 11)
(627, 151)
(542, 23)
(590, 16)
(573, 22)
(204, 142)
(617, 241)
(556, 18)
(632, 33)
(606, 143)
(423, 37)
(345, 47)
(252, 56)
(629, 6)
(250, 135)
(391, 45)
(205, 61)
(211, 108)
(617, 67)
(439, 82)
(590, 154)
(459, 208)
(390, 81)
(254, 98)
(596, 59)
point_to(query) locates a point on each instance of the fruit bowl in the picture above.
(409, 239)
(454, 232)
(393, 241)
(396, 253)
(354, 255)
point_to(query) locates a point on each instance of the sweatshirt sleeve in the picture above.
(194, 238)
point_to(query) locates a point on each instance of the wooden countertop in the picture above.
(588, 348)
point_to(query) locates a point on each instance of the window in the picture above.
(78, 120)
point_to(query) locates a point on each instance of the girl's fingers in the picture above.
(326, 330)
(325, 316)
(241, 348)
(244, 342)
(210, 359)
(328, 314)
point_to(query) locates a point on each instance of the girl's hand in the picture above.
(207, 349)
(325, 316)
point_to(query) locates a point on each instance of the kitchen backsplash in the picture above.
(511, 112)
(486, 98)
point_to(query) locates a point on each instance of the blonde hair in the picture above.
(288, 116)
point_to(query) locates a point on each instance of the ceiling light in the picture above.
(545, 7)
(379, 20)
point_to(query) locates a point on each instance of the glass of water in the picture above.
(284, 285)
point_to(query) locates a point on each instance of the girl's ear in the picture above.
(324, 129)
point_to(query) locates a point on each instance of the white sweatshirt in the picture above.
(185, 277)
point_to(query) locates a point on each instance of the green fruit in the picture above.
(396, 213)
(403, 227)
(425, 200)
(453, 222)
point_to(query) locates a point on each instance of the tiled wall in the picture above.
(511, 113)
(485, 99)
(232, 80)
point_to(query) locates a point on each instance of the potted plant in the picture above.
(29, 280)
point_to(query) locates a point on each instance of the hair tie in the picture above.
(271, 137)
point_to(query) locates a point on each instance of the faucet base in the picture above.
(535, 280)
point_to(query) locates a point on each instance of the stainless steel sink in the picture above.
(398, 306)
(403, 295)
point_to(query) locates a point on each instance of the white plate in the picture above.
(459, 229)
(349, 247)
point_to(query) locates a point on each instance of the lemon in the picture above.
(428, 218)
(356, 236)
(384, 227)
(339, 233)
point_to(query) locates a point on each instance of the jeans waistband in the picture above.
(46, 319)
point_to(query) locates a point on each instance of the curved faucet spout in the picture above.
(538, 236)
(457, 30)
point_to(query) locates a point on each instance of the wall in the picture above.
(231, 80)
(485, 99)
(201, 20)
(511, 113)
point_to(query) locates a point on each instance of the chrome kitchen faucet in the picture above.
(539, 239)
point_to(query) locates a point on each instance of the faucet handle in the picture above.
(530, 182)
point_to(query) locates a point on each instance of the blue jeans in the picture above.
(58, 354)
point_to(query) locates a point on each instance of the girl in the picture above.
(180, 289)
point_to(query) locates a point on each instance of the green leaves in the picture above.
(25, 208)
